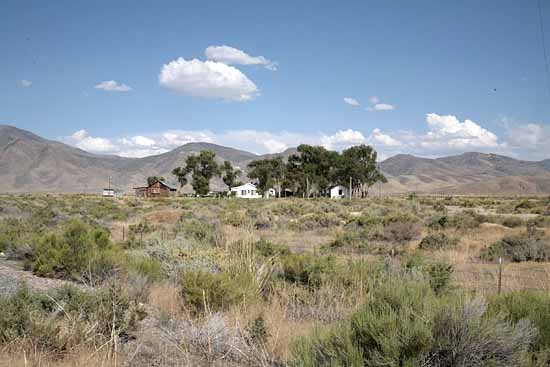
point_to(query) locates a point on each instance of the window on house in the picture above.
(340, 192)
(243, 192)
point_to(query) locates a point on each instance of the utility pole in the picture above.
(110, 179)
(350, 187)
(307, 187)
(499, 274)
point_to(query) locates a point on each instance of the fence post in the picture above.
(499, 275)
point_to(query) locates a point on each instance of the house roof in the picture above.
(248, 185)
(337, 186)
(154, 182)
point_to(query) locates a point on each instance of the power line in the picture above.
(542, 38)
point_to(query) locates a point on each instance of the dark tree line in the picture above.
(314, 170)
(310, 172)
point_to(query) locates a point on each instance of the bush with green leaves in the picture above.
(67, 317)
(82, 252)
(517, 248)
(306, 269)
(201, 231)
(401, 231)
(512, 222)
(203, 291)
(268, 249)
(438, 241)
(404, 323)
(467, 219)
(530, 305)
(351, 239)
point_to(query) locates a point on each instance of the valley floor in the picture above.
(198, 281)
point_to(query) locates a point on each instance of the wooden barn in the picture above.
(155, 189)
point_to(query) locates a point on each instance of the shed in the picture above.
(338, 192)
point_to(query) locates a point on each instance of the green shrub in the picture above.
(404, 323)
(269, 249)
(39, 320)
(438, 241)
(307, 270)
(204, 232)
(145, 266)
(353, 239)
(523, 247)
(512, 222)
(530, 305)
(468, 219)
(216, 291)
(439, 276)
(82, 252)
(401, 231)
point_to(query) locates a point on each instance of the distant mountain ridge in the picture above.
(30, 163)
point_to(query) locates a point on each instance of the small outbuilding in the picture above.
(111, 193)
(338, 192)
(155, 189)
(247, 191)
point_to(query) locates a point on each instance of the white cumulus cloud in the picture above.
(259, 142)
(384, 139)
(81, 139)
(342, 139)
(113, 86)
(233, 56)
(450, 131)
(207, 79)
(445, 135)
(352, 101)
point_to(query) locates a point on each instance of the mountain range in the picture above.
(29, 163)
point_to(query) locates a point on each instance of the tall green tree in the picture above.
(315, 167)
(202, 167)
(359, 163)
(230, 174)
(181, 175)
(268, 172)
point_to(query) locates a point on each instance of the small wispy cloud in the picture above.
(352, 101)
(376, 105)
(113, 86)
(233, 56)
(25, 83)
(381, 107)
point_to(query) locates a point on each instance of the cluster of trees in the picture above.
(314, 170)
(203, 168)
(310, 172)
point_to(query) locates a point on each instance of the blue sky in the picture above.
(426, 77)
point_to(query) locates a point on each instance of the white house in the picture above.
(247, 191)
(338, 192)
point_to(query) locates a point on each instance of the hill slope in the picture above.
(491, 174)
(29, 163)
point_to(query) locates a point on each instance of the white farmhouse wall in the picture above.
(338, 192)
